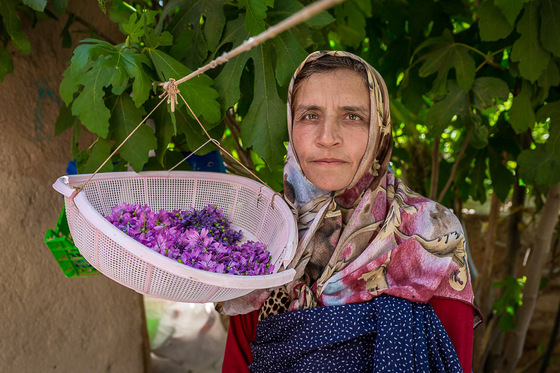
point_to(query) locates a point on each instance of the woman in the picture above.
(374, 260)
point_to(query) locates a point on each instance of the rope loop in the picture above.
(170, 88)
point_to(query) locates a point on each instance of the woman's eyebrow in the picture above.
(361, 109)
(306, 107)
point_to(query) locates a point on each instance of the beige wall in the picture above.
(49, 322)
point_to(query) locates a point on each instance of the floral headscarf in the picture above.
(374, 237)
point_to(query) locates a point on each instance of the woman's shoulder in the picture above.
(426, 217)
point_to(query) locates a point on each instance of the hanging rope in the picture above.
(171, 91)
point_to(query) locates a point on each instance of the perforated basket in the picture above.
(67, 255)
(246, 203)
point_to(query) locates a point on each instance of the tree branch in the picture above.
(454, 169)
(551, 342)
(243, 154)
(486, 278)
(543, 239)
(435, 168)
(91, 27)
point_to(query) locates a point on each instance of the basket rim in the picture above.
(155, 259)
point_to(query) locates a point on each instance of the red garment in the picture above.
(456, 317)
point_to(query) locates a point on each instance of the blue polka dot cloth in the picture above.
(388, 334)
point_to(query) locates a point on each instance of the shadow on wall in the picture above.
(185, 337)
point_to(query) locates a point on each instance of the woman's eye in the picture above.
(310, 116)
(352, 116)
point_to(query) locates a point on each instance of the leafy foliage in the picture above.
(476, 76)
(509, 302)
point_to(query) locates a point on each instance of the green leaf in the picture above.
(6, 63)
(91, 50)
(541, 165)
(36, 5)
(477, 131)
(510, 8)
(412, 89)
(90, 159)
(438, 60)
(492, 22)
(527, 50)
(550, 112)
(228, 81)
(134, 65)
(183, 46)
(193, 133)
(464, 67)
(164, 130)
(441, 113)
(439, 85)
(351, 22)
(255, 13)
(272, 177)
(304, 32)
(550, 26)
(12, 24)
(549, 78)
(69, 84)
(486, 90)
(320, 20)
(289, 50)
(64, 121)
(59, 6)
(153, 40)
(196, 91)
(86, 56)
(89, 105)
(435, 42)
(120, 12)
(289, 54)
(477, 176)
(521, 114)
(174, 125)
(134, 28)
(125, 117)
(119, 79)
(76, 134)
(401, 113)
(502, 178)
(188, 18)
(264, 126)
(508, 303)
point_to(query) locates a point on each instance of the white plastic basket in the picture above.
(246, 203)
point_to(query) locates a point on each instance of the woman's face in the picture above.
(331, 115)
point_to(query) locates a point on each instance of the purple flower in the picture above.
(201, 239)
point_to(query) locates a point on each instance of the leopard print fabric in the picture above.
(278, 302)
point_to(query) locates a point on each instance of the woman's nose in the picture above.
(328, 135)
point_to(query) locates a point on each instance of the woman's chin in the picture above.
(329, 184)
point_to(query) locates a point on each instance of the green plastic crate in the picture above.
(62, 247)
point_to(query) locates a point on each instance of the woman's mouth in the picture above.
(328, 161)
